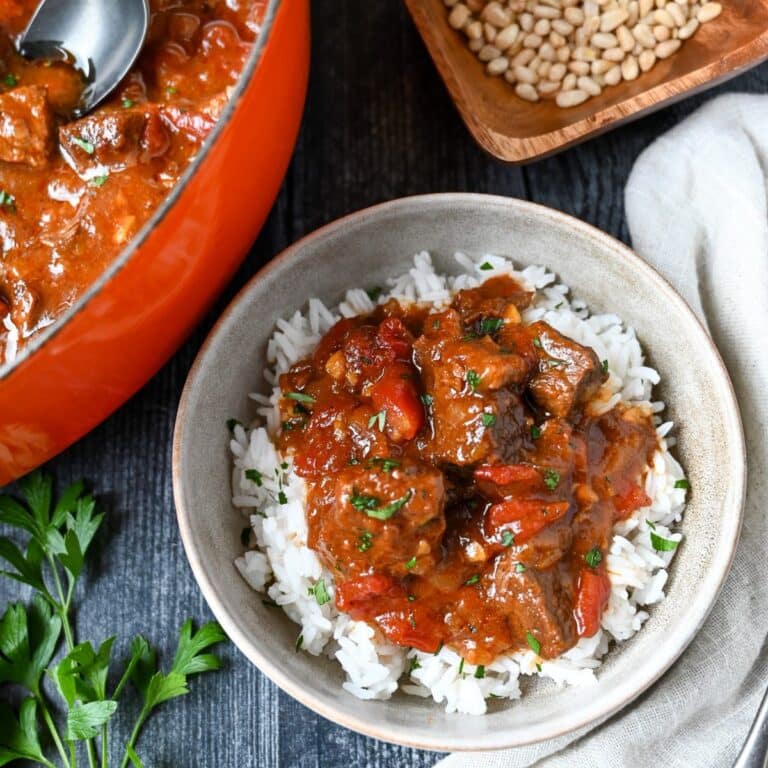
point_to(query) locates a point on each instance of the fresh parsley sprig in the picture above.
(58, 537)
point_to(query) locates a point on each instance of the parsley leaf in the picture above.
(661, 544)
(320, 592)
(480, 672)
(533, 643)
(486, 266)
(683, 483)
(370, 505)
(473, 379)
(411, 563)
(365, 541)
(300, 397)
(84, 144)
(427, 399)
(551, 479)
(254, 476)
(18, 737)
(489, 325)
(488, 419)
(535, 432)
(507, 539)
(380, 417)
(474, 579)
(594, 557)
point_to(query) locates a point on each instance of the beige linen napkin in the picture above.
(697, 207)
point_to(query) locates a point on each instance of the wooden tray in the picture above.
(517, 131)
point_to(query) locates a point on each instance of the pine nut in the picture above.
(525, 75)
(604, 40)
(546, 12)
(626, 39)
(569, 82)
(474, 30)
(708, 11)
(557, 72)
(542, 27)
(494, 14)
(507, 37)
(661, 33)
(644, 36)
(574, 16)
(509, 76)
(614, 54)
(524, 58)
(489, 32)
(646, 60)
(688, 29)
(476, 45)
(571, 98)
(666, 49)
(527, 92)
(488, 52)
(611, 20)
(548, 87)
(662, 16)
(629, 68)
(458, 16)
(613, 75)
(547, 52)
(564, 54)
(498, 66)
(600, 67)
(562, 27)
(527, 22)
(644, 7)
(556, 40)
(587, 84)
(579, 67)
(532, 41)
(677, 14)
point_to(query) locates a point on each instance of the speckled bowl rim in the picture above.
(669, 650)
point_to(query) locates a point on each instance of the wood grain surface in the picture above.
(379, 124)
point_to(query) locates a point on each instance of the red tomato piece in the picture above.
(630, 501)
(410, 628)
(591, 600)
(356, 592)
(524, 517)
(504, 474)
(393, 335)
(395, 393)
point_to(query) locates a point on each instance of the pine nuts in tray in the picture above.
(569, 50)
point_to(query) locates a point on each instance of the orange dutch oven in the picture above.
(136, 315)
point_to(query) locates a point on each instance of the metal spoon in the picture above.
(102, 38)
(755, 751)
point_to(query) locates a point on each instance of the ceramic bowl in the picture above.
(363, 250)
(127, 324)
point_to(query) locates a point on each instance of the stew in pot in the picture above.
(74, 192)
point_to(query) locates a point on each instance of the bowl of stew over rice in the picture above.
(460, 472)
(118, 228)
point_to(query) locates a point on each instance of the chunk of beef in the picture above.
(27, 127)
(476, 413)
(387, 516)
(113, 140)
(568, 374)
(493, 298)
(537, 601)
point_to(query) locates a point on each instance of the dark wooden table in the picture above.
(378, 125)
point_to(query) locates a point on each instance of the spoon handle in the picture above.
(754, 753)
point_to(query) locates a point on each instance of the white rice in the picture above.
(283, 567)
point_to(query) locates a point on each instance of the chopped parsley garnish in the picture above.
(436, 324)
(474, 579)
(533, 643)
(10, 80)
(461, 667)
(486, 266)
(291, 424)
(386, 465)
(299, 642)
(232, 423)
(282, 498)
(84, 144)
(558, 305)
(320, 592)
(537, 342)
(538, 667)
(553, 362)
(380, 418)
(551, 479)
(682, 483)
(413, 666)
(489, 419)
(439, 648)
(254, 476)
(171, 90)
(594, 557)
(427, 399)
(489, 325)
(604, 366)
(284, 465)
(411, 563)
(99, 181)
(365, 541)
(519, 568)
(507, 539)
(370, 505)
(7, 200)
(473, 380)
(480, 672)
(662, 545)
(535, 432)
(245, 536)
(299, 397)
(374, 293)
(128, 103)
(651, 525)
(411, 598)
